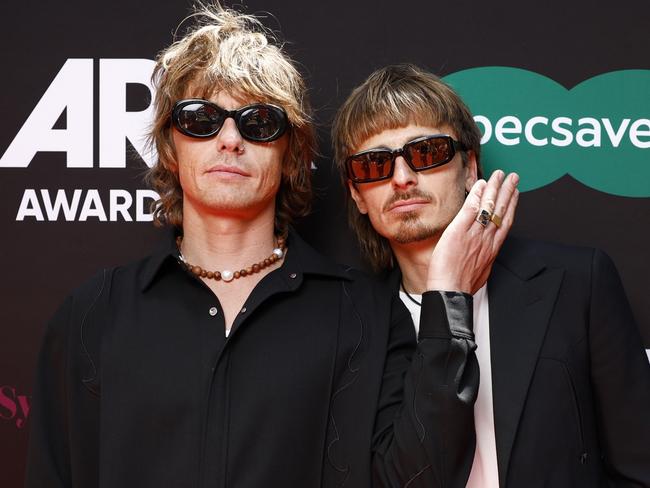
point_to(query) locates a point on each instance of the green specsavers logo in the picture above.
(598, 131)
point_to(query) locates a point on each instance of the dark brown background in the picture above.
(337, 44)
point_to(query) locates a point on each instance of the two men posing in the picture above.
(235, 355)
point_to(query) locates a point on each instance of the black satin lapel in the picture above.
(519, 313)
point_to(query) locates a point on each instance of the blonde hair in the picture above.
(229, 51)
(393, 97)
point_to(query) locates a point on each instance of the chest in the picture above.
(168, 354)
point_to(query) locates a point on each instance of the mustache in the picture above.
(228, 160)
(407, 195)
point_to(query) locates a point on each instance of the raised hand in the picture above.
(462, 259)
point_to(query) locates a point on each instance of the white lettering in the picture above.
(507, 125)
(72, 91)
(558, 127)
(122, 207)
(140, 196)
(528, 131)
(487, 127)
(92, 207)
(115, 123)
(29, 206)
(120, 203)
(593, 131)
(61, 202)
(636, 132)
(615, 137)
(589, 133)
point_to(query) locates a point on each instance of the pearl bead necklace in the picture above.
(228, 275)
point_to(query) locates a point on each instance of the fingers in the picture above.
(463, 257)
(496, 198)
(504, 189)
(489, 198)
(467, 215)
(508, 219)
(505, 193)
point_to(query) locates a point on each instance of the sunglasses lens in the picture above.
(420, 154)
(258, 123)
(370, 166)
(200, 119)
(430, 152)
(262, 123)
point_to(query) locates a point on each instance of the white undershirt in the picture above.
(484, 472)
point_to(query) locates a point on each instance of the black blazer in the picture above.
(571, 381)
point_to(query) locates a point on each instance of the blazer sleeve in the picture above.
(431, 440)
(64, 420)
(48, 454)
(621, 379)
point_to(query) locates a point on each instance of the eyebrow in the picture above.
(386, 148)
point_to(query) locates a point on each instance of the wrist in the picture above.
(456, 311)
(448, 285)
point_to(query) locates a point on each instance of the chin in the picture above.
(411, 232)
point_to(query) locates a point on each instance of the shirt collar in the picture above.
(301, 259)
(165, 250)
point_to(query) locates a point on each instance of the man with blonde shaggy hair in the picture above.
(236, 355)
(565, 384)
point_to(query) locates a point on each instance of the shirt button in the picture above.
(243, 310)
(213, 311)
(293, 276)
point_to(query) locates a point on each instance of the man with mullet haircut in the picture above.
(565, 383)
(236, 355)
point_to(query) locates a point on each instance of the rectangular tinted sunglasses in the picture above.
(422, 153)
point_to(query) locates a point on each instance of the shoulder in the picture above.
(380, 295)
(518, 251)
(84, 296)
(79, 324)
(376, 284)
(373, 297)
(94, 292)
(584, 269)
(303, 257)
(130, 274)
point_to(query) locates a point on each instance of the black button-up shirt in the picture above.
(138, 386)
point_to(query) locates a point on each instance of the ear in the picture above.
(471, 171)
(357, 197)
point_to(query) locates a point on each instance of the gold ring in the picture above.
(496, 219)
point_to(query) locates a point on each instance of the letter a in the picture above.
(71, 90)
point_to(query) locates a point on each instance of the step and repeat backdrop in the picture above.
(561, 91)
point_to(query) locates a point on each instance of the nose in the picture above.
(403, 174)
(229, 138)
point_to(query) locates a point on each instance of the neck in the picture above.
(413, 260)
(222, 241)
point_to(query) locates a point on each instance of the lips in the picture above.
(407, 201)
(408, 205)
(226, 169)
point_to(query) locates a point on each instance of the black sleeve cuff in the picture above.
(446, 314)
